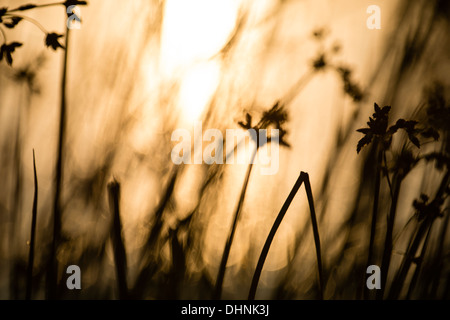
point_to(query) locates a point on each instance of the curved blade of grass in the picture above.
(303, 178)
(33, 234)
(415, 242)
(315, 228)
(226, 251)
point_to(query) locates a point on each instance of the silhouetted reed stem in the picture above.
(315, 228)
(226, 251)
(387, 252)
(415, 242)
(53, 267)
(33, 235)
(120, 257)
(303, 178)
(419, 261)
(376, 197)
(439, 258)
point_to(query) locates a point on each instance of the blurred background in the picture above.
(137, 70)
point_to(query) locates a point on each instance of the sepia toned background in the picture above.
(138, 70)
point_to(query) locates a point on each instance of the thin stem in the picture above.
(439, 258)
(418, 261)
(226, 251)
(397, 236)
(294, 90)
(386, 260)
(270, 237)
(120, 257)
(415, 241)
(315, 232)
(444, 185)
(37, 6)
(33, 234)
(303, 178)
(374, 211)
(387, 174)
(53, 268)
(3, 34)
(33, 21)
(149, 250)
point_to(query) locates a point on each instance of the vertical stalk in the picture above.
(52, 271)
(424, 227)
(376, 197)
(439, 258)
(401, 275)
(16, 206)
(226, 251)
(315, 232)
(419, 263)
(386, 260)
(120, 257)
(33, 235)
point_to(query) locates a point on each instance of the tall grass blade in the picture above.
(33, 235)
(388, 243)
(120, 257)
(373, 226)
(52, 269)
(315, 232)
(419, 264)
(303, 178)
(226, 251)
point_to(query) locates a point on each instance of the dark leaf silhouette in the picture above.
(377, 128)
(6, 51)
(427, 209)
(367, 139)
(353, 91)
(438, 109)
(274, 117)
(248, 123)
(14, 22)
(26, 7)
(440, 159)
(414, 140)
(2, 13)
(404, 162)
(350, 87)
(320, 62)
(319, 34)
(69, 3)
(430, 133)
(409, 127)
(51, 40)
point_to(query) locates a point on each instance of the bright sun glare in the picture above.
(193, 31)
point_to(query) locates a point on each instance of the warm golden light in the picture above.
(193, 32)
